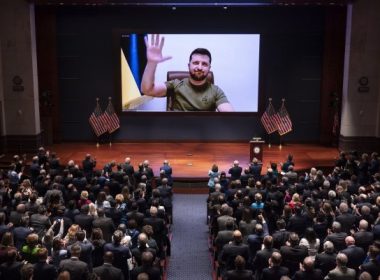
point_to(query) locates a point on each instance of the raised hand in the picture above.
(154, 49)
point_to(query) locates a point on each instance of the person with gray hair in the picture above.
(341, 271)
(346, 219)
(363, 237)
(337, 237)
(325, 261)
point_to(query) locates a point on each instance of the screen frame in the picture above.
(117, 98)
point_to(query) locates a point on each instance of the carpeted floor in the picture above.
(190, 258)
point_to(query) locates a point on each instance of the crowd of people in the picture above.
(286, 225)
(78, 221)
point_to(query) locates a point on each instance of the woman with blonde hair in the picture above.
(83, 199)
(70, 237)
(92, 210)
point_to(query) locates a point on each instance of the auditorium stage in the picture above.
(191, 161)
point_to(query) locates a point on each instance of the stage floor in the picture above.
(193, 160)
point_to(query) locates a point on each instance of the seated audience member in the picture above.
(341, 271)
(239, 273)
(275, 271)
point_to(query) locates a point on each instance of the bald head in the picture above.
(350, 241)
(308, 263)
(363, 225)
(237, 236)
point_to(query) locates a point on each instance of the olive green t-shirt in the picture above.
(188, 97)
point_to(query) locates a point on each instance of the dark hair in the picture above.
(310, 235)
(201, 51)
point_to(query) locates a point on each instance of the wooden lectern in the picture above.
(256, 146)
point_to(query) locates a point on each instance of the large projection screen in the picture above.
(235, 64)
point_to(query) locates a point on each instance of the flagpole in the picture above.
(269, 142)
(280, 146)
(110, 134)
(97, 137)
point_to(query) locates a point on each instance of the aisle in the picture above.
(190, 257)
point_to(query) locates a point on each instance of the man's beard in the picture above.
(196, 77)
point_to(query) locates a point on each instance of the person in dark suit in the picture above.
(141, 248)
(337, 237)
(235, 171)
(230, 251)
(86, 248)
(223, 237)
(293, 254)
(341, 271)
(105, 224)
(107, 271)
(88, 165)
(363, 238)
(40, 222)
(84, 220)
(262, 257)
(298, 222)
(147, 170)
(346, 219)
(373, 264)
(289, 162)
(255, 169)
(146, 267)
(255, 240)
(166, 195)
(159, 228)
(307, 271)
(128, 168)
(281, 235)
(78, 270)
(15, 216)
(239, 273)
(275, 271)
(43, 270)
(326, 260)
(134, 214)
(355, 254)
(10, 270)
(121, 253)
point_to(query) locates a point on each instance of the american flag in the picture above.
(97, 121)
(112, 120)
(283, 121)
(267, 119)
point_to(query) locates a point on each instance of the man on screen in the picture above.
(190, 94)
